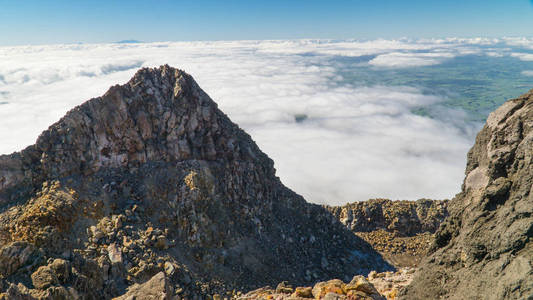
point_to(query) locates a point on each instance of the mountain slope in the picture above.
(152, 177)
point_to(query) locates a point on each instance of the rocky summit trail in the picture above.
(152, 190)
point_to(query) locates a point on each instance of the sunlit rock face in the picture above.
(484, 249)
(152, 179)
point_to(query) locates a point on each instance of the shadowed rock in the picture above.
(484, 249)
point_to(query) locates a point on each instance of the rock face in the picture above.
(151, 179)
(484, 249)
(402, 231)
(404, 218)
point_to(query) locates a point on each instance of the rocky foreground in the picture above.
(152, 185)
(377, 286)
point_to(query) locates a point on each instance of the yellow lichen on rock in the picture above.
(190, 180)
(53, 206)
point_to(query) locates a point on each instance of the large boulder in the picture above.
(484, 249)
(157, 288)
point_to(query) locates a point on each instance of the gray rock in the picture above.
(115, 255)
(157, 288)
(44, 277)
(484, 248)
(15, 255)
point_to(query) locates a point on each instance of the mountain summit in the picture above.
(152, 183)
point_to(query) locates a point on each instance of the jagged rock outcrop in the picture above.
(150, 178)
(404, 218)
(402, 231)
(484, 248)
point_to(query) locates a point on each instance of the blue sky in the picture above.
(50, 22)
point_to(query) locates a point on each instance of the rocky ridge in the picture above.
(484, 249)
(402, 231)
(152, 185)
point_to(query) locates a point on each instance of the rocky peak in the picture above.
(484, 248)
(158, 115)
(152, 177)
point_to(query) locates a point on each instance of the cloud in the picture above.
(519, 42)
(527, 73)
(523, 56)
(355, 142)
(397, 59)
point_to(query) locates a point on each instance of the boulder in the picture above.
(157, 288)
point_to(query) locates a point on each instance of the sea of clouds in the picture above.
(357, 142)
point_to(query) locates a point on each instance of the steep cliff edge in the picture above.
(484, 249)
(152, 183)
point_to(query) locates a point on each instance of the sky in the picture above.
(58, 21)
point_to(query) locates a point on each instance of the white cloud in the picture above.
(357, 142)
(399, 60)
(523, 56)
(519, 42)
(527, 73)
(494, 54)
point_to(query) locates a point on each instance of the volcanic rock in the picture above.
(484, 248)
(402, 231)
(152, 179)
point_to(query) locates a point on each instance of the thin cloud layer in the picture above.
(523, 56)
(398, 59)
(332, 141)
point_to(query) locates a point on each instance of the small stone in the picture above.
(334, 296)
(43, 277)
(118, 220)
(61, 268)
(149, 231)
(126, 241)
(161, 242)
(372, 275)
(303, 292)
(284, 288)
(114, 253)
(333, 286)
(96, 233)
(169, 268)
(359, 283)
